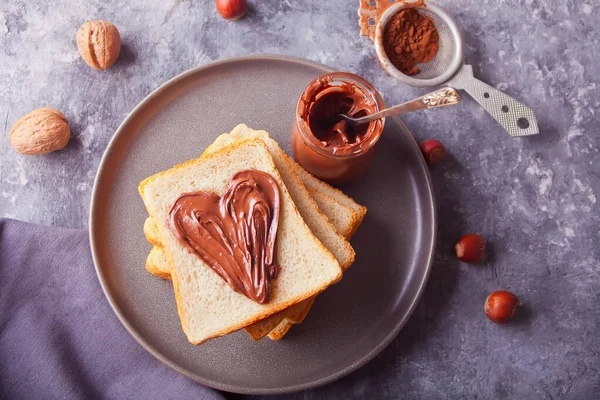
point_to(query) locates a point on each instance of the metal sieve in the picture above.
(448, 67)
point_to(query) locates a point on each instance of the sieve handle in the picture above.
(516, 118)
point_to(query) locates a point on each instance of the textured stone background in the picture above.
(534, 199)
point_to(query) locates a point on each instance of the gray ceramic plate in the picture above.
(351, 322)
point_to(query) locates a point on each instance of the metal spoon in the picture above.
(440, 98)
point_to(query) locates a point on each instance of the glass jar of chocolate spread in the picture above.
(326, 146)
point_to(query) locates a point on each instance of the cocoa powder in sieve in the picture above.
(410, 38)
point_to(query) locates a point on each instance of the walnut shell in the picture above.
(41, 131)
(99, 44)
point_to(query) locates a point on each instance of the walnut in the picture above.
(41, 131)
(99, 44)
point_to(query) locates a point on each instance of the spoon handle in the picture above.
(440, 98)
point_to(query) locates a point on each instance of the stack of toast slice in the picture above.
(327, 216)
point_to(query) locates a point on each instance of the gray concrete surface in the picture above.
(534, 199)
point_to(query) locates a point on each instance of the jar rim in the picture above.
(374, 132)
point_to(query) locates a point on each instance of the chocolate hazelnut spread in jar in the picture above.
(326, 146)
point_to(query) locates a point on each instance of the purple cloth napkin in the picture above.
(58, 335)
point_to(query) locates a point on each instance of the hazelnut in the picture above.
(500, 306)
(41, 131)
(433, 151)
(470, 248)
(232, 9)
(99, 44)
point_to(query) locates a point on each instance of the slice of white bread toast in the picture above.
(309, 210)
(345, 219)
(207, 306)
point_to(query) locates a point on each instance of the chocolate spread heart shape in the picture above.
(234, 234)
